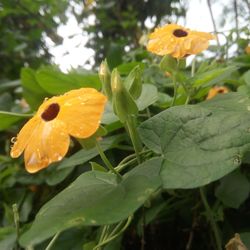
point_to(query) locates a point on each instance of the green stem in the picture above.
(110, 238)
(104, 233)
(187, 100)
(211, 218)
(214, 25)
(16, 219)
(52, 241)
(106, 160)
(175, 91)
(17, 222)
(131, 126)
(129, 160)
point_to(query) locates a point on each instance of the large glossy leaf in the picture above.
(200, 143)
(7, 119)
(32, 91)
(95, 198)
(56, 82)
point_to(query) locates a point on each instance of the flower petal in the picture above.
(81, 110)
(49, 143)
(177, 41)
(24, 137)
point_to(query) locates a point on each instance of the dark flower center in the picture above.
(220, 91)
(50, 112)
(180, 33)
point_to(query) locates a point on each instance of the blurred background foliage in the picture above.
(118, 33)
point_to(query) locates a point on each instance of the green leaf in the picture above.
(7, 238)
(233, 189)
(125, 68)
(57, 172)
(54, 175)
(246, 77)
(200, 143)
(89, 245)
(148, 96)
(91, 197)
(133, 82)
(84, 155)
(97, 167)
(56, 82)
(8, 119)
(168, 63)
(32, 91)
(211, 77)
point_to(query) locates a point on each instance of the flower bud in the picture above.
(123, 103)
(105, 77)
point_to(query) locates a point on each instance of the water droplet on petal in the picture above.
(13, 140)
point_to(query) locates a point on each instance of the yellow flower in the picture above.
(247, 49)
(216, 90)
(45, 138)
(175, 40)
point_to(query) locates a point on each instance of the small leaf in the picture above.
(84, 155)
(211, 77)
(148, 96)
(32, 91)
(133, 82)
(233, 189)
(125, 68)
(8, 119)
(246, 77)
(7, 238)
(56, 82)
(97, 167)
(168, 63)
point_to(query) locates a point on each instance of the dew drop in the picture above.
(13, 139)
(59, 158)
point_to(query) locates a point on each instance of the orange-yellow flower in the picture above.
(216, 90)
(247, 49)
(175, 40)
(45, 138)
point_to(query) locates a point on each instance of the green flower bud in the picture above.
(123, 103)
(105, 77)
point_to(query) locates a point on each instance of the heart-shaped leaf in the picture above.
(200, 143)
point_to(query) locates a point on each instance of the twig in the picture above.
(211, 218)
(213, 21)
(52, 242)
